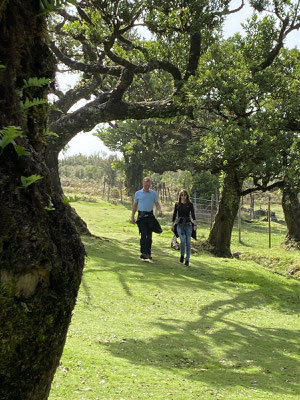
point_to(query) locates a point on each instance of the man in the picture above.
(144, 201)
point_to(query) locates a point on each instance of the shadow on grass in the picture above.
(127, 266)
(257, 228)
(243, 243)
(252, 357)
(166, 271)
(216, 348)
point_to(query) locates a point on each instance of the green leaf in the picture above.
(36, 82)
(70, 199)
(52, 5)
(49, 133)
(50, 206)
(21, 150)
(66, 200)
(29, 180)
(35, 102)
(8, 135)
(55, 108)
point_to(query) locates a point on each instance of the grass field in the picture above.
(220, 329)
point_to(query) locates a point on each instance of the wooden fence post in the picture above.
(239, 223)
(251, 206)
(169, 196)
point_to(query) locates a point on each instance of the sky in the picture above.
(86, 143)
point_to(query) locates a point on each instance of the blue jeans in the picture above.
(185, 233)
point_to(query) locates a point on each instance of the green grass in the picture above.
(221, 329)
(255, 246)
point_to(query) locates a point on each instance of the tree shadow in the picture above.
(243, 243)
(219, 351)
(217, 348)
(112, 255)
(276, 228)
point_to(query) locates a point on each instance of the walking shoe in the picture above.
(187, 263)
(181, 259)
(150, 257)
(144, 256)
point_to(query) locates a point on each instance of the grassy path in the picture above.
(222, 329)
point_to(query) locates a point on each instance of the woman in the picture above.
(184, 224)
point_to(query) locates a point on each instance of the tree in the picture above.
(146, 145)
(291, 209)
(116, 57)
(284, 116)
(109, 172)
(236, 87)
(41, 255)
(291, 187)
(205, 184)
(101, 41)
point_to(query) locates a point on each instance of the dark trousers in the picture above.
(145, 227)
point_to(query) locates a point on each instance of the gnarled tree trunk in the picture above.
(41, 255)
(291, 209)
(219, 238)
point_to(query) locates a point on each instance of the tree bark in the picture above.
(101, 110)
(219, 238)
(41, 254)
(291, 209)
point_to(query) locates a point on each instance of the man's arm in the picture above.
(158, 207)
(134, 210)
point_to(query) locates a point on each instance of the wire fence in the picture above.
(205, 210)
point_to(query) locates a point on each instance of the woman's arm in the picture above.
(193, 216)
(174, 217)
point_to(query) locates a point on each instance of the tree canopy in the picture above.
(103, 41)
(228, 94)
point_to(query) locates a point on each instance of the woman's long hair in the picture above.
(179, 202)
